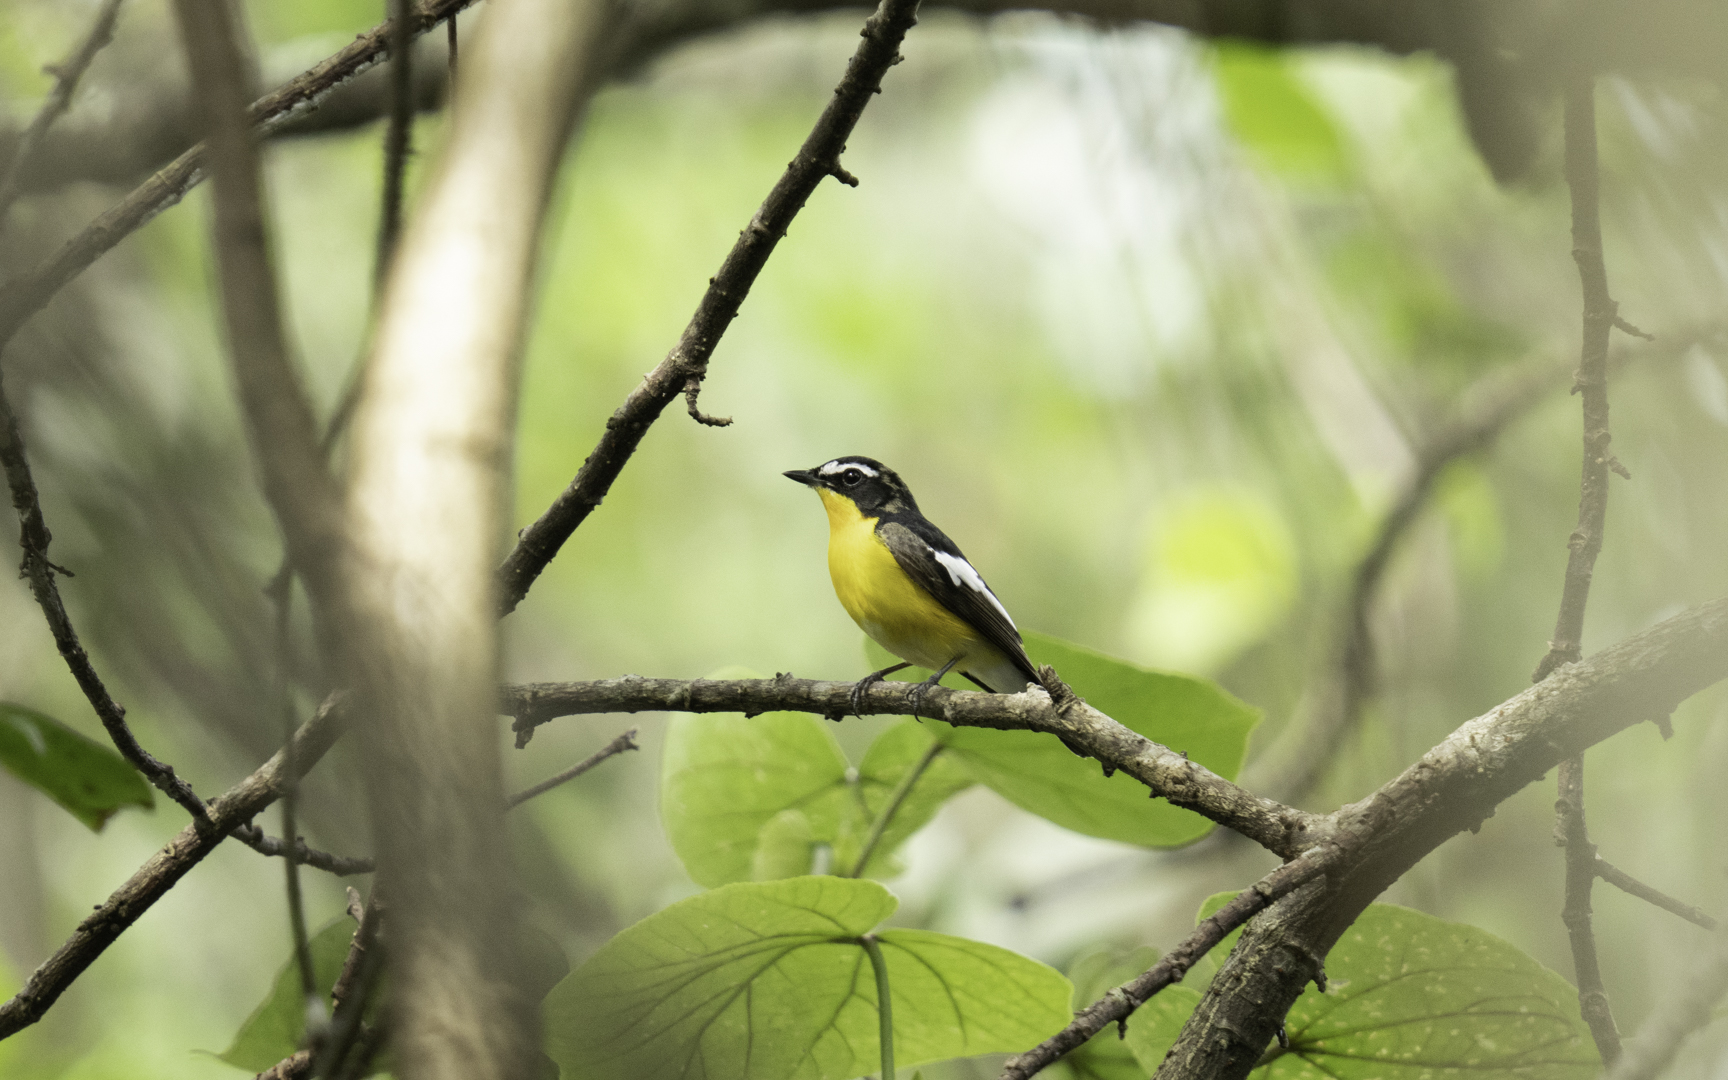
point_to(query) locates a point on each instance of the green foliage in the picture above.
(1272, 113)
(277, 1026)
(1036, 772)
(87, 778)
(754, 798)
(1409, 997)
(759, 980)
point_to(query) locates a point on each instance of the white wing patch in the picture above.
(837, 466)
(960, 572)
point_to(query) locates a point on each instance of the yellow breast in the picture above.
(886, 604)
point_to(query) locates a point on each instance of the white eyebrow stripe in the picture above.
(837, 467)
(960, 572)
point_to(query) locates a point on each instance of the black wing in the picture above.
(935, 562)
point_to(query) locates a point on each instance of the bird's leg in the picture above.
(916, 697)
(858, 688)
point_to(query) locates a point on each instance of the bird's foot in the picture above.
(915, 699)
(856, 697)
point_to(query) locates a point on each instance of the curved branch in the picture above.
(1169, 775)
(228, 811)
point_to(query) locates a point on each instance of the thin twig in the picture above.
(1626, 883)
(23, 296)
(228, 811)
(895, 799)
(450, 40)
(1118, 1003)
(296, 1066)
(33, 538)
(626, 741)
(340, 865)
(399, 130)
(684, 368)
(66, 75)
(1583, 180)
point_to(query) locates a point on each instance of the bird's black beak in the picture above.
(803, 476)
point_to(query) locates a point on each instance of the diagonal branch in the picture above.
(1118, 1003)
(66, 76)
(1169, 774)
(228, 811)
(684, 368)
(33, 538)
(1630, 885)
(23, 296)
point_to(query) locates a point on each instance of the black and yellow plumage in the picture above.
(907, 585)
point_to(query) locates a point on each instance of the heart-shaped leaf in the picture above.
(1409, 997)
(770, 981)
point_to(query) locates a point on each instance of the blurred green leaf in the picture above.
(1036, 772)
(84, 776)
(760, 980)
(277, 1026)
(753, 798)
(1409, 996)
(886, 763)
(1272, 113)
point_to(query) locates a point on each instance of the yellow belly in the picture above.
(886, 604)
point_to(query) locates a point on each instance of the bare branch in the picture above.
(626, 741)
(401, 127)
(228, 811)
(1626, 883)
(24, 296)
(1169, 774)
(66, 76)
(1452, 788)
(33, 538)
(1600, 315)
(1116, 1005)
(340, 865)
(684, 368)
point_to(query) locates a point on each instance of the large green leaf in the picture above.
(1410, 997)
(82, 775)
(1037, 772)
(753, 798)
(768, 981)
(725, 777)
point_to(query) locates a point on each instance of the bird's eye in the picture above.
(851, 477)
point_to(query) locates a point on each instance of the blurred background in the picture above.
(1157, 328)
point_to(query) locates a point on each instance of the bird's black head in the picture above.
(872, 486)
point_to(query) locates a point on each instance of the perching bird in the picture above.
(907, 585)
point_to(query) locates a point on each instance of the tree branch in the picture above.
(626, 741)
(684, 368)
(1600, 316)
(23, 296)
(39, 571)
(228, 811)
(66, 76)
(1626, 883)
(1169, 775)
(1454, 787)
(1120, 1002)
(401, 127)
(340, 865)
